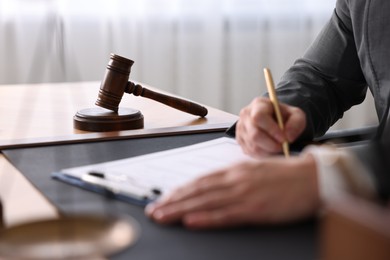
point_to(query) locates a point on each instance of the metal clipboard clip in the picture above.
(115, 187)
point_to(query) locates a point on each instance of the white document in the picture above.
(161, 171)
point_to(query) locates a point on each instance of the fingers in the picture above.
(204, 193)
(256, 142)
(200, 200)
(258, 133)
(170, 212)
(262, 115)
(295, 123)
(255, 128)
(198, 186)
(212, 209)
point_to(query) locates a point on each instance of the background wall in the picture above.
(211, 51)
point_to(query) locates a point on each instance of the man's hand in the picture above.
(268, 191)
(258, 133)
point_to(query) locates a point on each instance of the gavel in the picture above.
(114, 84)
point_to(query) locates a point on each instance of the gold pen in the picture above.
(275, 102)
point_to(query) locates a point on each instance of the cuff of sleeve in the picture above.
(340, 173)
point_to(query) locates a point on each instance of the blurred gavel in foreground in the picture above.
(112, 88)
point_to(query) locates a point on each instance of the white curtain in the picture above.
(211, 51)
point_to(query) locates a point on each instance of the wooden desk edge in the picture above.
(108, 136)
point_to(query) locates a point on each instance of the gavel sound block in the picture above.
(109, 116)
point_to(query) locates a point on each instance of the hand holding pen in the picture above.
(259, 130)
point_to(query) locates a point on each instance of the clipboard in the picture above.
(101, 188)
(145, 178)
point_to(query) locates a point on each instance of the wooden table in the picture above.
(41, 114)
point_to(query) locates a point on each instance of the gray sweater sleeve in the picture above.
(328, 79)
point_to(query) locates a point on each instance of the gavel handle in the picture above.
(180, 104)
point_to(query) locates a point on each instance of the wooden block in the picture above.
(355, 229)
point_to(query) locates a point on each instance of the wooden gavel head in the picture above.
(114, 82)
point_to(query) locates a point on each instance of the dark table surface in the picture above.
(296, 241)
